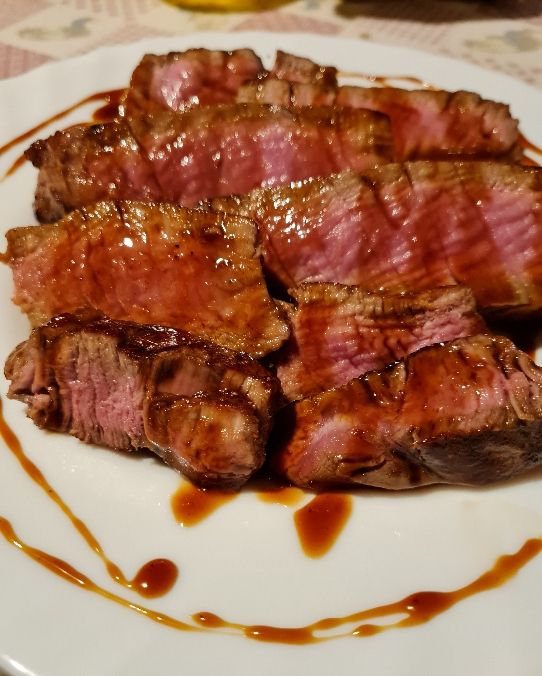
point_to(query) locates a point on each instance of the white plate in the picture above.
(244, 562)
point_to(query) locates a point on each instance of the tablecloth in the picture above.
(503, 35)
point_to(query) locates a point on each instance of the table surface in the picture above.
(502, 35)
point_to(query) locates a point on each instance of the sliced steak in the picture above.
(202, 152)
(150, 263)
(204, 409)
(426, 123)
(196, 76)
(466, 412)
(341, 332)
(302, 70)
(407, 227)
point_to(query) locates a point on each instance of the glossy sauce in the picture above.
(418, 608)
(154, 578)
(110, 110)
(191, 504)
(320, 522)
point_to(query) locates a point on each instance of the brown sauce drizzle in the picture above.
(191, 504)
(154, 578)
(17, 164)
(526, 144)
(320, 522)
(105, 113)
(110, 110)
(387, 80)
(418, 608)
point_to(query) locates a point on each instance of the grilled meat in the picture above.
(426, 123)
(202, 152)
(466, 412)
(407, 227)
(341, 332)
(150, 263)
(195, 76)
(205, 410)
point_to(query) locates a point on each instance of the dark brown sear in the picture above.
(184, 157)
(204, 410)
(466, 412)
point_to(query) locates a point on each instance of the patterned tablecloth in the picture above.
(503, 35)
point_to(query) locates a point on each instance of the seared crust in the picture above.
(466, 412)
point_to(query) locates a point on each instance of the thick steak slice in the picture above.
(406, 227)
(466, 412)
(204, 409)
(426, 124)
(150, 263)
(196, 76)
(341, 332)
(202, 152)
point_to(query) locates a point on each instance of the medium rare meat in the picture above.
(466, 412)
(204, 409)
(202, 152)
(426, 124)
(341, 332)
(178, 80)
(302, 70)
(407, 227)
(150, 263)
(196, 76)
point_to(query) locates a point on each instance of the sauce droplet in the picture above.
(320, 522)
(155, 578)
(191, 504)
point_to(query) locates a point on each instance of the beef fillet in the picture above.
(179, 80)
(341, 332)
(150, 263)
(466, 412)
(202, 152)
(407, 227)
(205, 410)
(195, 76)
(426, 123)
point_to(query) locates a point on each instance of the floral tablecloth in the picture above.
(503, 35)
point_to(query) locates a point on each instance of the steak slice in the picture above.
(204, 409)
(302, 70)
(341, 332)
(150, 263)
(195, 76)
(407, 227)
(466, 412)
(202, 152)
(426, 123)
